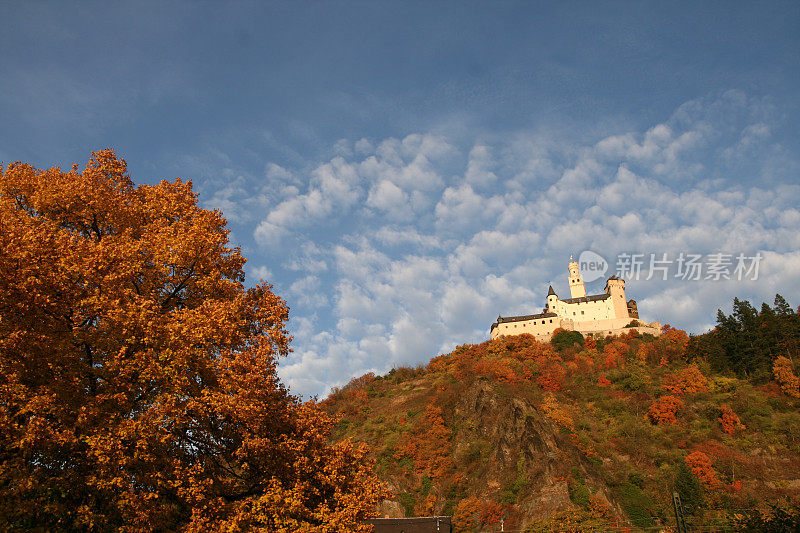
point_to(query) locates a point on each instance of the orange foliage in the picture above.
(688, 380)
(552, 377)
(599, 507)
(729, 420)
(491, 512)
(429, 446)
(465, 517)
(675, 342)
(557, 413)
(645, 352)
(472, 513)
(508, 359)
(427, 506)
(664, 409)
(784, 375)
(701, 465)
(586, 449)
(497, 368)
(603, 381)
(138, 386)
(360, 382)
(584, 363)
(590, 343)
(613, 354)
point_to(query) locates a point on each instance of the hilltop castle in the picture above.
(603, 314)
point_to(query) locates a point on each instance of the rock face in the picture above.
(500, 443)
(391, 509)
(519, 435)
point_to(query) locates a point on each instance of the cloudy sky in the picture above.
(403, 172)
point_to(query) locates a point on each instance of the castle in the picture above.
(597, 315)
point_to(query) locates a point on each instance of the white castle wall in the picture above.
(604, 314)
(541, 328)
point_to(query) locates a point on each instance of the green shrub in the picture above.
(566, 339)
(426, 485)
(578, 492)
(778, 520)
(635, 379)
(511, 493)
(636, 479)
(408, 502)
(636, 505)
(477, 451)
(688, 488)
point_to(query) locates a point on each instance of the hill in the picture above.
(580, 432)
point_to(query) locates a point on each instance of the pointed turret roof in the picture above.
(551, 292)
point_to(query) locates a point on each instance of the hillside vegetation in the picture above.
(590, 433)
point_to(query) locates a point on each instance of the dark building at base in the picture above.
(426, 524)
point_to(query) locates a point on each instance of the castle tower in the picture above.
(615, 288)
(576, 286)
(552, 300)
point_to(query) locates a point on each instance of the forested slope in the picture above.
(590, 433)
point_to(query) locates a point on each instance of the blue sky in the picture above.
(403, 172)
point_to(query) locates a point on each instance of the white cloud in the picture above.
(414, 263)
(261, 273)
(306, 291)
(479, 173)
(391, 200)
(308, 257)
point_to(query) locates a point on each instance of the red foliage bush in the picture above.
(552, 377)
(674, 341)
(500, 369)
(701, 465)
(689, 380)
(664, 409)
(472, 513)
(729, 420)
(584, 363)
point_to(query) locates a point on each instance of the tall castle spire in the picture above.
(576, 287)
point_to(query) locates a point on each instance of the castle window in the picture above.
(583, 312)
(551, 320)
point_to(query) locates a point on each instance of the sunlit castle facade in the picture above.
(599, 315)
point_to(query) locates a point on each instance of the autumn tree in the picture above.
(557, 413)
(664, 410)
(688, 380)
(138, 385)
(702, 467)
(730, 421)
(784, 375)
